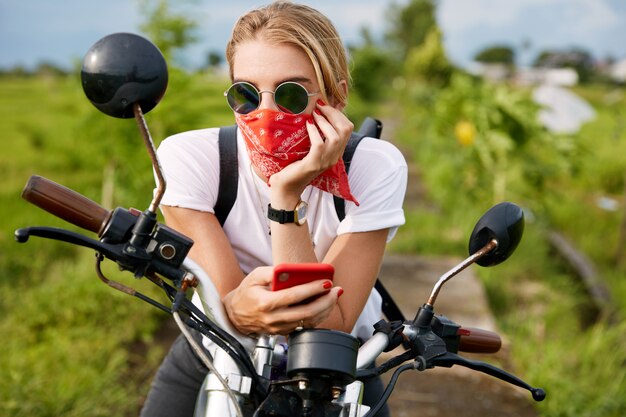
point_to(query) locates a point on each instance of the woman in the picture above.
(290, 84)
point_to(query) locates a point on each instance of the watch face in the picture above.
(301, 212)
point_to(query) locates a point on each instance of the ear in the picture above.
(343, 86)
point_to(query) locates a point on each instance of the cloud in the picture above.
(472, 25)
(461, 15)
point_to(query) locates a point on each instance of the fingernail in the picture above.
(320, 102)
(340, 292)
(327, 285)
(319, 113)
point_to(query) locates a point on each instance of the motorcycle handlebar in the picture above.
(474, 340)
(66, 204)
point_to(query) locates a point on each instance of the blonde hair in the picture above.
(304, 27)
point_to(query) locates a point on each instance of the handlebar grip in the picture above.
(474, 340)
(66, 204)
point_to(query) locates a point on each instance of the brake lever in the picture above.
(126, 255)
(110, 251)
(450, 359)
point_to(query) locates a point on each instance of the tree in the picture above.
(577, 58)
(170, 31)
(411, 24)
(429, 61)
(497, 54)
(372, 70)
(214, 59)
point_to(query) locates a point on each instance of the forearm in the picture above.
(357, 258)
(291, 243)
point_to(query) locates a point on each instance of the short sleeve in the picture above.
(190, 162)
(378, 179)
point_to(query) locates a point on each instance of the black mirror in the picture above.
(503, 222)
(122, 69)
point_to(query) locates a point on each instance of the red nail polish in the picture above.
(327, 285)
(340, 292)
(319, 113)
(320, 102)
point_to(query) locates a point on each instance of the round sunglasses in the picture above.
(290, 97)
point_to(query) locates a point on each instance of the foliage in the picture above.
(378, 67)
(409, 25)
(372, 70)
(500, 54)
(539, 304)
(428, 62)
(576, 58)
(500, 148)
(170, 31)
(214, 59)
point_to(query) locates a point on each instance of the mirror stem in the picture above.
(491, 245)
(160, 179)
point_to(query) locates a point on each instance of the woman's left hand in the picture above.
(253, 308)
(329, 136)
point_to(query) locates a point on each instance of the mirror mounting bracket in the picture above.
(491, 245)
(147, 139)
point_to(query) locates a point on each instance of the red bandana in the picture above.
(275, 140)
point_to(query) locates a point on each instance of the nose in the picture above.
(267, 100)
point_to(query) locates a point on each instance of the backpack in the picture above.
(227, 190)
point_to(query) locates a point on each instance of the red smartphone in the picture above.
(287, 275)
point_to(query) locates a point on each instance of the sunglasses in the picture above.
(290, 97)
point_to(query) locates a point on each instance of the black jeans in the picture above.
(179, 378)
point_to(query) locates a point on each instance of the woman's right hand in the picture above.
(329, 135)
(254, 309)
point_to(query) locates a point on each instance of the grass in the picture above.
(68, 339)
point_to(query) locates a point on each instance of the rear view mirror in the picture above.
(122, 69)
(503, 222)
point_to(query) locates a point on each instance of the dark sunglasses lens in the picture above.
(291, 98)
(243, 98)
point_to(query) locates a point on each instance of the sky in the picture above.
(61, 32)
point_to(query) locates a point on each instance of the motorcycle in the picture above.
(315, 372)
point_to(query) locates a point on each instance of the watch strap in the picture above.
(281, 216)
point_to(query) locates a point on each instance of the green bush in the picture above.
(476, 144)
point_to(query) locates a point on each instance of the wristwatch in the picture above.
(297, 216)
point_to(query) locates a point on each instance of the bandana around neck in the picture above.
(276, 139)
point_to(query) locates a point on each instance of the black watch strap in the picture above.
(280, 216)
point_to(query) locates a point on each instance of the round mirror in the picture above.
(503, 222)
(122, 69)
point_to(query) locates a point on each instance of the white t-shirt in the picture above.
(377, 178)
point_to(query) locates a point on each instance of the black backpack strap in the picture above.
(229, 172)
(370, 127)
(389, 307)
(348, 153)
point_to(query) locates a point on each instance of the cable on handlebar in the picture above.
(125, 289)
(199, 321)
(364, 374)
(392, 383)
(196, 319)
(207, 362)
